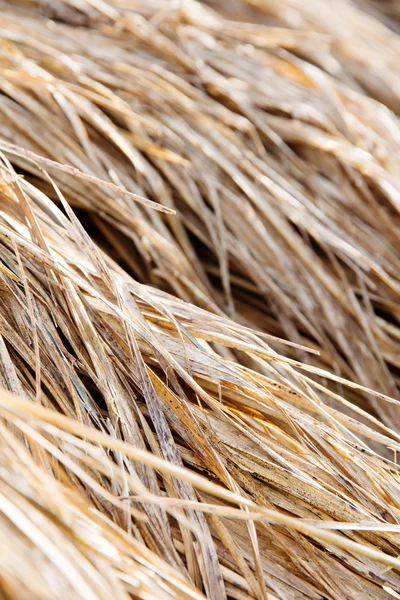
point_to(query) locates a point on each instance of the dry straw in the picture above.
(237, 177)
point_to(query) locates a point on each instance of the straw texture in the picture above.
(199, 245)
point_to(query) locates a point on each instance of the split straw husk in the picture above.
(161, 441)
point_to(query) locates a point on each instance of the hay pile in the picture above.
(199, 290)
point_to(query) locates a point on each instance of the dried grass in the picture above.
(158, 439)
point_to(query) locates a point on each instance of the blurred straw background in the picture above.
(199, 299)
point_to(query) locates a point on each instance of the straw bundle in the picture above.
(179, 189)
